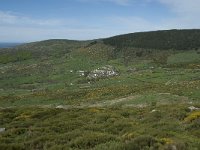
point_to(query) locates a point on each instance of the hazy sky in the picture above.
(33, 20)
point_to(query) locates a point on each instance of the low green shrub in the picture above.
(144, 142)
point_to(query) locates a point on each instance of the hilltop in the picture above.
(163, 40)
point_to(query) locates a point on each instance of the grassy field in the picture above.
(46, 104)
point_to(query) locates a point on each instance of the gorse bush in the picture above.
(90, 140)
(192, 116)
(143, 143)
(96, 128)
(15, 56)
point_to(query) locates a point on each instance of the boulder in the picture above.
(2, 130)
(192, 108)
(103, 72)
(60, 107)
(81, 73)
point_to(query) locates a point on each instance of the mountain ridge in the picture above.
(179, 39)
(161, 39)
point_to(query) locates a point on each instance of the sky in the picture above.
(35, 20)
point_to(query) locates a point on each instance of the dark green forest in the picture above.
(162, 40)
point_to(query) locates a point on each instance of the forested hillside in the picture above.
(162, 40)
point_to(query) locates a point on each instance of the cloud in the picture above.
(129, 24)
(118, 2)
(186, 7)
(186, 13)
(28, 34)
(16, 27)
(10, 18)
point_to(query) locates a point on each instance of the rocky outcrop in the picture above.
(2, 130)
(81, 72)
(192, 108)
(103, 72)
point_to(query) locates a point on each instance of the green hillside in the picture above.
(163, 40)
(138, 91)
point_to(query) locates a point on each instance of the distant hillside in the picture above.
(128, 47)
(8, 45)
(167, 39)
(51, 45)
(41, 49)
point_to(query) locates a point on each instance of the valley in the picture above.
(134, 91)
